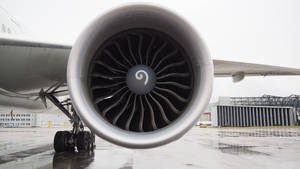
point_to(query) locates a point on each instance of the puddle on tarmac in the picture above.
(128, 164)
(23, 154)
(238, 149)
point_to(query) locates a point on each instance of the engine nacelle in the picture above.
(139, 76)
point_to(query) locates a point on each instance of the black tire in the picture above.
(83, 141)
(70, 147)
(93, 145)
(60, 141)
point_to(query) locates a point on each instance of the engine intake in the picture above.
(140, 80)
(139, 76)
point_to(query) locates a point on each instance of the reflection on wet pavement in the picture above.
(72, 160)
(238, 149)
(199, 148)
(23, 154)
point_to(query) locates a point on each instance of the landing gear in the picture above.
(68, 141)
(65, 141)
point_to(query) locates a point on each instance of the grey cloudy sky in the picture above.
(257, 31)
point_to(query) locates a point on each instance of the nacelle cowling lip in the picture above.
(133, 16)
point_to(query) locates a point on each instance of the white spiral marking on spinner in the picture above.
(139, 75)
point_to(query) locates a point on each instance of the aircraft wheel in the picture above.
(84, 141)
(70, 143)
(93, 145)
(60, 141)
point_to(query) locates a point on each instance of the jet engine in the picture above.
(139, 76)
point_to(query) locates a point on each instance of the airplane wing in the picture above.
(26, 67)
(238, 70)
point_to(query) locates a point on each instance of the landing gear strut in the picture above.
(65, 141)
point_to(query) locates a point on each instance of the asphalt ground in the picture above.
(208, 148)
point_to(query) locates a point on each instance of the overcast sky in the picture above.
(257, 31)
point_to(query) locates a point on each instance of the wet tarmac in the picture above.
(210, 148)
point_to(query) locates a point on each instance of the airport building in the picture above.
(256, 111)
(25, 119)
(17, 119)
